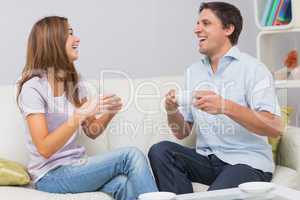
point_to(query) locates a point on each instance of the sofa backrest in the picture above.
(141, 123)
(12, 137)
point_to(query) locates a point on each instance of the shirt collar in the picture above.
(233, 52)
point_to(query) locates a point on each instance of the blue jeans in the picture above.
(124, 174)
(175, 167)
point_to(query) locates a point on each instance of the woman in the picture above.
(54, 105)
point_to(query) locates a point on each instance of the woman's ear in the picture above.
(229, 29)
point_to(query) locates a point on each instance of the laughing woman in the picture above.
(54, 106)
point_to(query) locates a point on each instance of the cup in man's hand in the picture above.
(184, 98)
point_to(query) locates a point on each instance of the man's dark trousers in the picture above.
(175, 167)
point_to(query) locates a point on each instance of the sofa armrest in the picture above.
(289, 149)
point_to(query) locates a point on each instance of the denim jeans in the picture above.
(175, 167)
(124, 174)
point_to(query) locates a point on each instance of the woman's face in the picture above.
(72, 45)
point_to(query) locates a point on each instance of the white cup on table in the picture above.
(157, 196)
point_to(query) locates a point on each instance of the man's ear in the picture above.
(229, 29)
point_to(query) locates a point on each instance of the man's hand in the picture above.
(170, 102)
(209, 102)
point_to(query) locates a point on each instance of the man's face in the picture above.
(210, 33)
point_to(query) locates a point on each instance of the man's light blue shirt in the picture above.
(243, 80)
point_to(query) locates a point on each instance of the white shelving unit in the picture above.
(272, 48)
(260, 5)
(284, 84)
(273, 45)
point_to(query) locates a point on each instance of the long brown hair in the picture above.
(46, 53)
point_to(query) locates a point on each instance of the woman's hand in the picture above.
(112, 104)
(107, 107)
(102, 104)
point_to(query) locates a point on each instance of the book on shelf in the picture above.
(266, 12)
(277, 12)
(279, 6)
(271, 16)
(284, 16)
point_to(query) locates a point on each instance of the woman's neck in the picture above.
(57, 87)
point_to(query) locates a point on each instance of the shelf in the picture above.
(283, 84)
(273, 46)
(259, 6)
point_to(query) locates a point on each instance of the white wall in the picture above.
(141, 37)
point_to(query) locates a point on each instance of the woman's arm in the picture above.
(49, 143)
(92, 126)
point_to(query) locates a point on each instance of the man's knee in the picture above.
(160, 149)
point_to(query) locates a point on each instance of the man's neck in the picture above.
(216, 57)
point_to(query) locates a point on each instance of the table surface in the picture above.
(278, 193)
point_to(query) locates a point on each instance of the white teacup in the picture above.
(184, 98)
(157, 196)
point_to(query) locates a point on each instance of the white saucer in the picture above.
(256, 187)
(157, 196)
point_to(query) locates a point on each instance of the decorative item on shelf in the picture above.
(291, 69)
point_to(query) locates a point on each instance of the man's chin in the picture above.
(202, 51)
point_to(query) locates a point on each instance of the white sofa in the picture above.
(141, 124)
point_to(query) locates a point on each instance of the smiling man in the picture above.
(234, 109)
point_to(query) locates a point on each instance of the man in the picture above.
(233, 111)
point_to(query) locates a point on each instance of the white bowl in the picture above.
(256, 187)
(157, 196)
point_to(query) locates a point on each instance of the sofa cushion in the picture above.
(17, 193)
(13, 173)
(285, 176)
(274, 142)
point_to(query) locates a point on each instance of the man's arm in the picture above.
(179, 127)
(260, 122)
